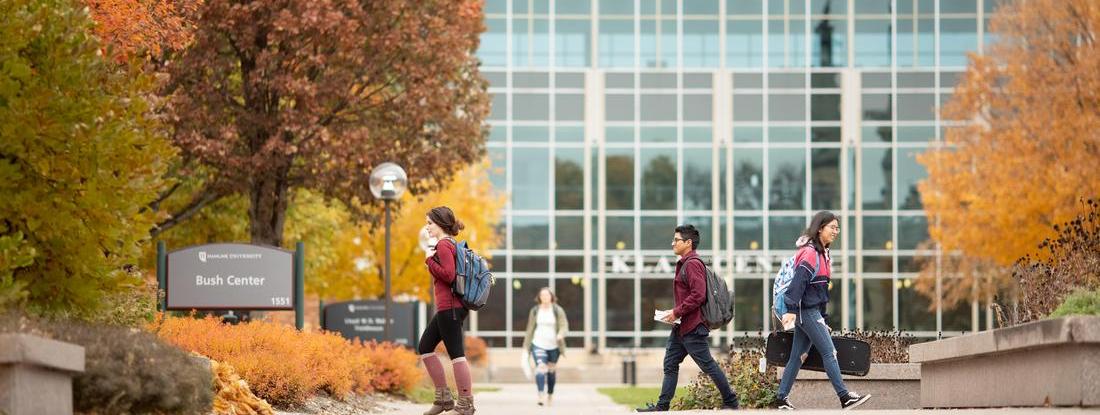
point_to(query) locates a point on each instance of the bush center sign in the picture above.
(230, 276)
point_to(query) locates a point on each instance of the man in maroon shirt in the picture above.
(689, 336)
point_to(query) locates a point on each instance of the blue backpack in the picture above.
(783, 283)
(472, 277)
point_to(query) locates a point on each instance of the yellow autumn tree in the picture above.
(357, 255)
(1027, 153)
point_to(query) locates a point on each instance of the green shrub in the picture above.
(1081, 302)
(127, 370)
(742, 369)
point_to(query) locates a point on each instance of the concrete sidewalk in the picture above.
(574, 399)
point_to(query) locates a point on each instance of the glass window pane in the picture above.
(825, 107)
(825, 179)
(658, 107)
(748, 304)
(657, 134)
(531, 134)
(498, 133)
(530, 263)
(877, 169)
(829, 46)
(748, 81)
(916, 107)
(620, 179)
(748, 107)
(916, 134)
(910, 173)
(748, 233)
(493, 49)
(916, 42)
(619, 107)
(616, 41)
(913, 308)
(872, 7)
(529, 179)
(878, 264)
(572, 42)
(745, 43)
(783, 231)
(524, 291)
(700, 41)
(825, 134)
(872, 42)
(569, 134)
(872, 133)
(828, 7)
(747, 7)
(697, 107)
(877, 233)
(697, 179)
(787, 107)
(620, 304)
(498, 173)
(659, 179)
(499, 110)
(787, 134)
(620, 233)
(748, 179)
(697, 134)
(570, 293)
(578, 7)
(959, 6)
(568, 232)
(653, 43)
(878, 304)
(530, 42)
(957, 318)
(656, 294)
(531, 107)
(493, 318)
(569, 107)
(706, 236)
(957, 37)
(658, 80)
(787, 178)
(656, 232)
(530, 232)
(876, 107)
(569, 179)
(568, 263)
(912, 231)
(618, 135)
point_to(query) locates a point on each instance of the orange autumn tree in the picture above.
(358, 253)
(146, 28)
(1027, 153)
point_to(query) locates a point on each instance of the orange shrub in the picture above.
(477, 351)
(285, 366)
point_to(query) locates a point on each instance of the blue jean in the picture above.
(694, 344)
(811, 330)
(543, 357)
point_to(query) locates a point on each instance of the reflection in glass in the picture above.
(530, 169)
(877, 233)
(620, 304)
(825, 107)
(783, 231)
(620, 179)
(656, 231)
(878, 304)
(569, 178)
(876, 107)
(700, 42)
(916, 41)
(656, 295)
(910, 173)
(748, 233)
(916, 107)
(616, 43)
(658, 107)
(877, 169)
(787, 107)
(913, 308)
(787, 178)
(748, 304)
(493, 49)
(493, 318)
(659, 179)
(748, 179)
(829, 46)
(825, 179)
(620, 233)
(530, 232)
(572, 42)
(570, 295)
(531, 107)
(697, 179)
(872, 42)
(912, 230)
(957, 37)
(748, 107)
(569, 232)
(745, 43)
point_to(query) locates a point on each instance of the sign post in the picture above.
(299, 285)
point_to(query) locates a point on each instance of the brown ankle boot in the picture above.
(443, 402)
(464, 406)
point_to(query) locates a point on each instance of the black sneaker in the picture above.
(782, 404)
(651, 408)
(853, 400)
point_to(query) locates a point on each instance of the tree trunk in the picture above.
(267, 210)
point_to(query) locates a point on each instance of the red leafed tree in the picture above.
(275, 95)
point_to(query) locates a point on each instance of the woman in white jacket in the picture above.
(545, 339)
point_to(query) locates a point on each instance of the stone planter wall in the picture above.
(891, 386)
(1050, 362)
(36, 375)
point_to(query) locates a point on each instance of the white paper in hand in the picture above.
(661, 315)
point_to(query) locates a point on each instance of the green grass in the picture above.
(425, 394)
(634, 396)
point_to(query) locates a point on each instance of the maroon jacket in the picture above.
(690, 291)
(442, 267)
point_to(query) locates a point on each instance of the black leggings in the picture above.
(445, 326)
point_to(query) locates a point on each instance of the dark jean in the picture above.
(694, 344)
(811, 330)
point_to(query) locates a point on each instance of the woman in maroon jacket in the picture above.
(446, 325)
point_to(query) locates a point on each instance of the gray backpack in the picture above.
(718, 306)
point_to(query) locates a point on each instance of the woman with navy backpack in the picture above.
(806, 300)
(446, 325)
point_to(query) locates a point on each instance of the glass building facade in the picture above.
(615, 120)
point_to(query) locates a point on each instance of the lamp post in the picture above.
(388, 182)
